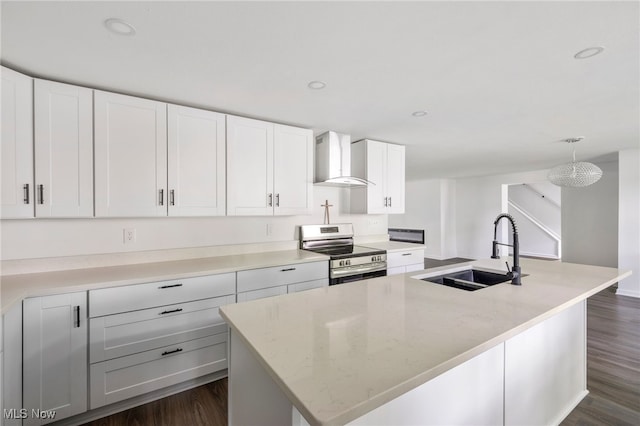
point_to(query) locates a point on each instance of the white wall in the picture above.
(629, 221)
(590, 220)
(430, 205)
(448, 215)
(41, 238)
(478, 201)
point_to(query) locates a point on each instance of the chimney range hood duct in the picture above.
(333, 161)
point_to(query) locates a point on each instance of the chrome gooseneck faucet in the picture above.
(515, 271)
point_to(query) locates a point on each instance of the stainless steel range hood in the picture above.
(333, 161)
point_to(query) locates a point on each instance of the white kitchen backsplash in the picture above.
(75, 243)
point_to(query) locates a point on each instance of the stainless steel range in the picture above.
(347, 262)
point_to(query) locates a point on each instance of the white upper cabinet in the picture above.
(130, 156)
(63, 150)
(395, 178)
(269, 168)
(384, 165)
(17, 145)
(249, 167)
(293, 170)
(196, 174)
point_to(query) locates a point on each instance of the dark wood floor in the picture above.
(613, 362)
(202, 406)
(613, 376)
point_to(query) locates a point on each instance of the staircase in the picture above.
(536, 209)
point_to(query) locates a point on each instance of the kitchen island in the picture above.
(398, 350)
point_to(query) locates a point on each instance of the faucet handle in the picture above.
(508, 269)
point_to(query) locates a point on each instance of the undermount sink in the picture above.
(469, 279)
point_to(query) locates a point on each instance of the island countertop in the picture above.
(342, 351)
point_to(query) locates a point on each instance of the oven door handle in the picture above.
(343, 272)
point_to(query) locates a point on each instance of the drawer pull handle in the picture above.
(26, 193)
(41, 193)
(76, 311)
(406, 254)
(171, 311)
(171, 352)
(287, 269)
(170, 286)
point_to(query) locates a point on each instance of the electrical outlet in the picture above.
(129, 235)
(268, 229)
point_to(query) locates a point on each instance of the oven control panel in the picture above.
(357, 260)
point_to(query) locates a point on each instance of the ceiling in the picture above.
(498, 79)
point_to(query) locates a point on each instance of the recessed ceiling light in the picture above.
(316, 85)
(589, 52)
(120, 27)
(419, 113)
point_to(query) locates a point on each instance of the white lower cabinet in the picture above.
(400, 262)
(307, 285)
(145, 337)
(266, 282)
(12, 366)
(262, 293)
(129, 376)
(54, 357)
(118, 335)
(74, 352)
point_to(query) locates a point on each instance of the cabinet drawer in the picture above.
(293, 288)
(114, 300)
(256, 279)
(124, 334)
(405, 257)
(261, 294)
(415, 267)
(126, 377)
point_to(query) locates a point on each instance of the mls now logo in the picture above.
(23, 413)
(14, 413)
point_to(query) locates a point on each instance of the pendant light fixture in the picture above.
(576, 174)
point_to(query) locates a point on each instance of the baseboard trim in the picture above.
(627, 293)
(570, 407)
(117, 407)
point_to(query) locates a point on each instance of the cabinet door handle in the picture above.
(171, 352)
(406, 254)
(172, 198)
(170, 286)
(26, 193)
(277, 200)
(171, 311)
(270, 203)
(76, 311)
(162, 197)
(389, 201)
(41, 194)
(386, 202)
(287, 269)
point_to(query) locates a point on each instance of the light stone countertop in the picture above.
(17, 287)
(393, 246)
(341, 351)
